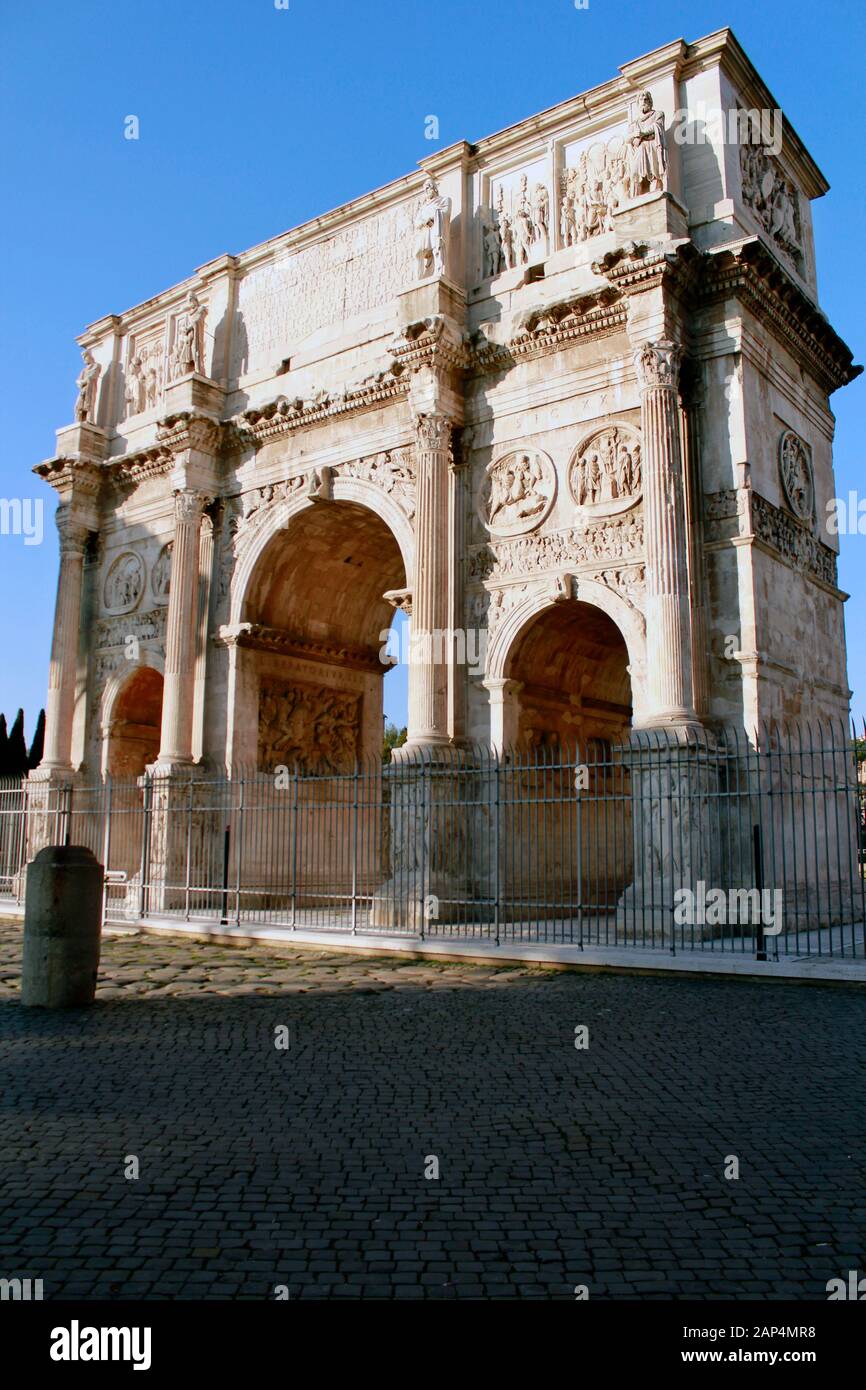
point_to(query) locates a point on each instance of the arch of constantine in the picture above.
(560, 395)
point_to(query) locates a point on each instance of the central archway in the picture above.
(315, 624)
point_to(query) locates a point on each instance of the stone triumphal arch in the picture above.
(561, 395)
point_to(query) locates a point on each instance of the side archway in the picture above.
(565, 665)
(131, 717)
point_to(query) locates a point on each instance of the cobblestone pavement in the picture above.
(305, 1166)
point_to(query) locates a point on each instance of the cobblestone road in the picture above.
(305, 1166)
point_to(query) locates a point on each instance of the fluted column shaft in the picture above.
(428, 669)
(181, 631)
(669, 634)
(60, 705)
(692, 398)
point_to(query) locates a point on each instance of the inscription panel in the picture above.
(361, 267)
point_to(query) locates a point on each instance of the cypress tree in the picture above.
(17, 748)
(37, 747)
(4, 747)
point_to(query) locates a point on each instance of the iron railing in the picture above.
(712, 842)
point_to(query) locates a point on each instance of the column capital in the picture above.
(72, 530)
(189, 504)
(658, 364)
(399, 598)
(433, 429)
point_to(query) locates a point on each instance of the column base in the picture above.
(428, 830)
(170, 767)
(426, 748)
(419, 904)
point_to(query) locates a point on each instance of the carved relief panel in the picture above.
(123, 583)
(593, 184)
(160, 575)
(604, 475)
(515, 229)
(308, 726)
(145, 371)
(772, 198)
(795, 471)
(517, 492)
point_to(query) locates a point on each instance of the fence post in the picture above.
(758, 858)
(25, 834)
(188, 853)
(423, 826)
(106, 844)
(355, 854)
(496, 884)
(239, 851)
(144, 862)
(295, 813)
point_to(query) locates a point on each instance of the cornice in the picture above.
(751, 273)
(189, 430)
(638, 266)
(284, 416)
(548, 328)
(64, 473)
(429, 342)
(260, 637)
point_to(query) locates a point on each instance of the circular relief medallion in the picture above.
(160, 575)
(604, 475)
(517, 493)
(124, 582)
(795, 468)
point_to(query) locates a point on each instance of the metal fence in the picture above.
(716, 842)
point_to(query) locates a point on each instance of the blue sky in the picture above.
(254, 118)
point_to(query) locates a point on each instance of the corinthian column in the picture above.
(669, 636)
(431, 644)
(60, 704)
(181, 631)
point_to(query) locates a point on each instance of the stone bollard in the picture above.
(62, 928)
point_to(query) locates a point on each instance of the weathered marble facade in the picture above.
(565, 389)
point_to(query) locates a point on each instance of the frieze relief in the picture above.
(393, 471)
(144, 627)
(592, 191)
(741, 512)
(609, 173)
(796, 545)
(621, 538)
(492, 604)
(105, 664)
(307, 726)
(145, 375)
(518, 230)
